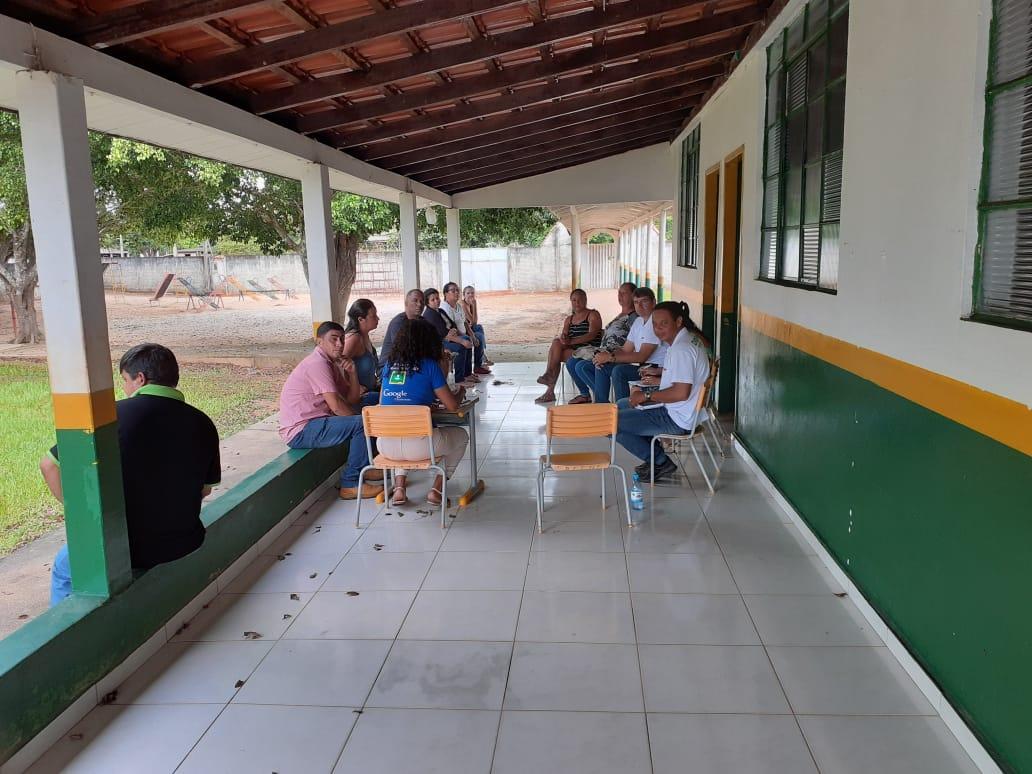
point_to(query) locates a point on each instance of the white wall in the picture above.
(642, 175)
(912, 166)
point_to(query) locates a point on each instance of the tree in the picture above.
(601, 238)
(18, 278)
(502, 227)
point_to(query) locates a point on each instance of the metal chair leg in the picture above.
(702, 469)
(444, 495)
(540, 496)
(652, 461)
(603, 490)
(358, 507)
(709, 451)
(627, 497)
(715, 432)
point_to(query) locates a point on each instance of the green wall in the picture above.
(931, 520)
(52, 660)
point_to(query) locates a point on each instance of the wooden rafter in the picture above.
(514, 173)
(534, 153)
(530, 73)
(569, 126)
(477, 50)
(365, 28)
(154, 16)
(552, 114)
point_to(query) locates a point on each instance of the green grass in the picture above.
(233, 397)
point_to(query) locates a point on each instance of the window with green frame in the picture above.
(1003, 264)
(802, 171)
(688, 210)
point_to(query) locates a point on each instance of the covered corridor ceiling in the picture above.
(608, 218)
(456, 94)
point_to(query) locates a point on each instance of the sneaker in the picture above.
(352, 493)
(642, 469)
(662, 471)
(487, 363)
(481, 370)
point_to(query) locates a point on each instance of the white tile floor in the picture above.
(706, 639)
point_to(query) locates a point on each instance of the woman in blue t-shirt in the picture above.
(413, 377)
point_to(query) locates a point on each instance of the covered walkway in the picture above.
(708, 638)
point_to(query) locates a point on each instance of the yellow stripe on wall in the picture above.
(84, 410)
(1002, 419)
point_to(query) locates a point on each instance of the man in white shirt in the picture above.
(450, 306)
(641, 347)
(673, 408)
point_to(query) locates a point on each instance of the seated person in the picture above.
(413, 377)
(590, 377)
(452, 308)
(650, 372)
(170, 462)
(642, 346)
(472, 311)
(363, 320)
(414, 303)
(460, 346)
(672, 409)
(319, 407)
(582, 328)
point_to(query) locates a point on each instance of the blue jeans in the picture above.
(333, 431)
(573, 366)
(60, 577)
(481, 349)
(622, 374)
(635, 429)
(463, 360)
(599, 378)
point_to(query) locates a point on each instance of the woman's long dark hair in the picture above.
(416, 341)
(359, 310)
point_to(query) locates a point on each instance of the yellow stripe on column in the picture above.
(995, 416)
(315, 327)
(84, 410)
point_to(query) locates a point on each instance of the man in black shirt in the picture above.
(414, 304)
(170, 462)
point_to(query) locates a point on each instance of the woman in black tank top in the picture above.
(583, 328)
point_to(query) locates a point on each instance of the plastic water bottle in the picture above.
(636, 495)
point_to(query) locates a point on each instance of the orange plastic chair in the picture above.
(400, 422)
(585, 420)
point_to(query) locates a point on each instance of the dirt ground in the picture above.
(519, 326)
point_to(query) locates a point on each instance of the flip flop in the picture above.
(439, 496)
(543, 399)
(579, 399)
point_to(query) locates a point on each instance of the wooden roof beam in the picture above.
(352, 32)
(534, 118)
(551, 131)
(482, 84)
(153, 17)
(661, 68)
(660, 126)
(486, 47)
(515, 173)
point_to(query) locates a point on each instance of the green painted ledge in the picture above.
(48, 663)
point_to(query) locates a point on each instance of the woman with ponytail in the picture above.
(363, 320)
(672, 409)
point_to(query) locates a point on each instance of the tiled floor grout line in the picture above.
(401, 624)
(763, 644)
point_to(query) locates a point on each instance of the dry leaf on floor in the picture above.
(295, 597)
(252, 636)
(352, 593)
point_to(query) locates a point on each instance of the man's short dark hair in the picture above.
(644, 292)
(155, 362)
(629, 285)
(449, 286)
(326, 327)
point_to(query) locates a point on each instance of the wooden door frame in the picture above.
(730, 258)
(711, 223)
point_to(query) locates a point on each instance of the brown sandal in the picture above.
(579, 400)
(430, 500)
(395, 501)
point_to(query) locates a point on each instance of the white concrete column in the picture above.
(409, 242)
(59, 180)
(575, 248)
(322, 259)
(639, 253)
(451, 217)
(648, 279)
(663, 276)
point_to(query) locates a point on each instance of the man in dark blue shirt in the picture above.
(170, 462)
